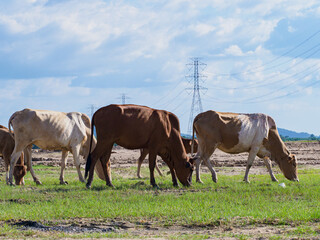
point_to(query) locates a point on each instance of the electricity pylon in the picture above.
(196, 106)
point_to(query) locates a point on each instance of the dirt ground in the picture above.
(308, 155)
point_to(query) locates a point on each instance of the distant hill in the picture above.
(292, 134)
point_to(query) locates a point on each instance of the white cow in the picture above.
(233, 133)
(51, 130)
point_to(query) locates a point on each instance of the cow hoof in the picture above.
(246, 181)
(155, 186)
(88, 186)
(175, 184)
(64, 183)
(111, 185)
(38, 182)
(199, 181)
(214, 179)
(274, 180)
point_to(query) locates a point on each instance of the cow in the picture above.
(136, 127)
(144, 152)
(235, 133)
(50, 130)
(6, 148)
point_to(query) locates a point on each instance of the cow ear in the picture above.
(292, 158)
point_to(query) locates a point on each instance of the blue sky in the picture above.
(260, 56)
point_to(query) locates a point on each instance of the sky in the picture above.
(254, 57)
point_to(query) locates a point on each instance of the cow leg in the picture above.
(14, 158)
(158, 169)
(76, 158)
(28, 160)
(64, 158)
(213, 172)
(106, 166)
(152, 163)
(268, 164)
(174, 177)
(7, 170)
(252, 154)
(100, 152)
(198, 164)
(143, 154)
(203, 155)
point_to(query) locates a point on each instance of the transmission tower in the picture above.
(91, 109)
(196, 106)
(123, 98)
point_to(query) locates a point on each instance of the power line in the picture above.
(276, 58)
(264, 82)
(258, 99)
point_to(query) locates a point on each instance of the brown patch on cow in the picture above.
(187, 143)
(222, 129)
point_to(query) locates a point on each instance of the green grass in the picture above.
(228, 202)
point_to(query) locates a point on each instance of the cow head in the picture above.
(288, 166)
(184, 173)
(280, 154)
(19, 172)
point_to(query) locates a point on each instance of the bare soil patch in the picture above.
(308, 153)
(150, 229)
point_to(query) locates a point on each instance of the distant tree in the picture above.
(312, 137)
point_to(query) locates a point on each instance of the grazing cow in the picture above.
(144, 152)
(6, 148)
(50, 130)
(237, 133)
(136, 127)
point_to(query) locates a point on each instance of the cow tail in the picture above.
(88, 163)
(192, 143)
(10, 124)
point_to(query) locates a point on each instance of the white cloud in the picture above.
(234, 50)
(291, 29)
(104, 39)
(202, 28)
(226, 26)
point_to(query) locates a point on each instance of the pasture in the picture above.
(229, 209)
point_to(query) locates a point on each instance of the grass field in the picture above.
(134, 209)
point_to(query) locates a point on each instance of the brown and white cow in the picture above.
(6, 148)
(234, 133)
(50, 130)
(136, 127)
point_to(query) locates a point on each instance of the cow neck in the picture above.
(177, 149)
(277, 147)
